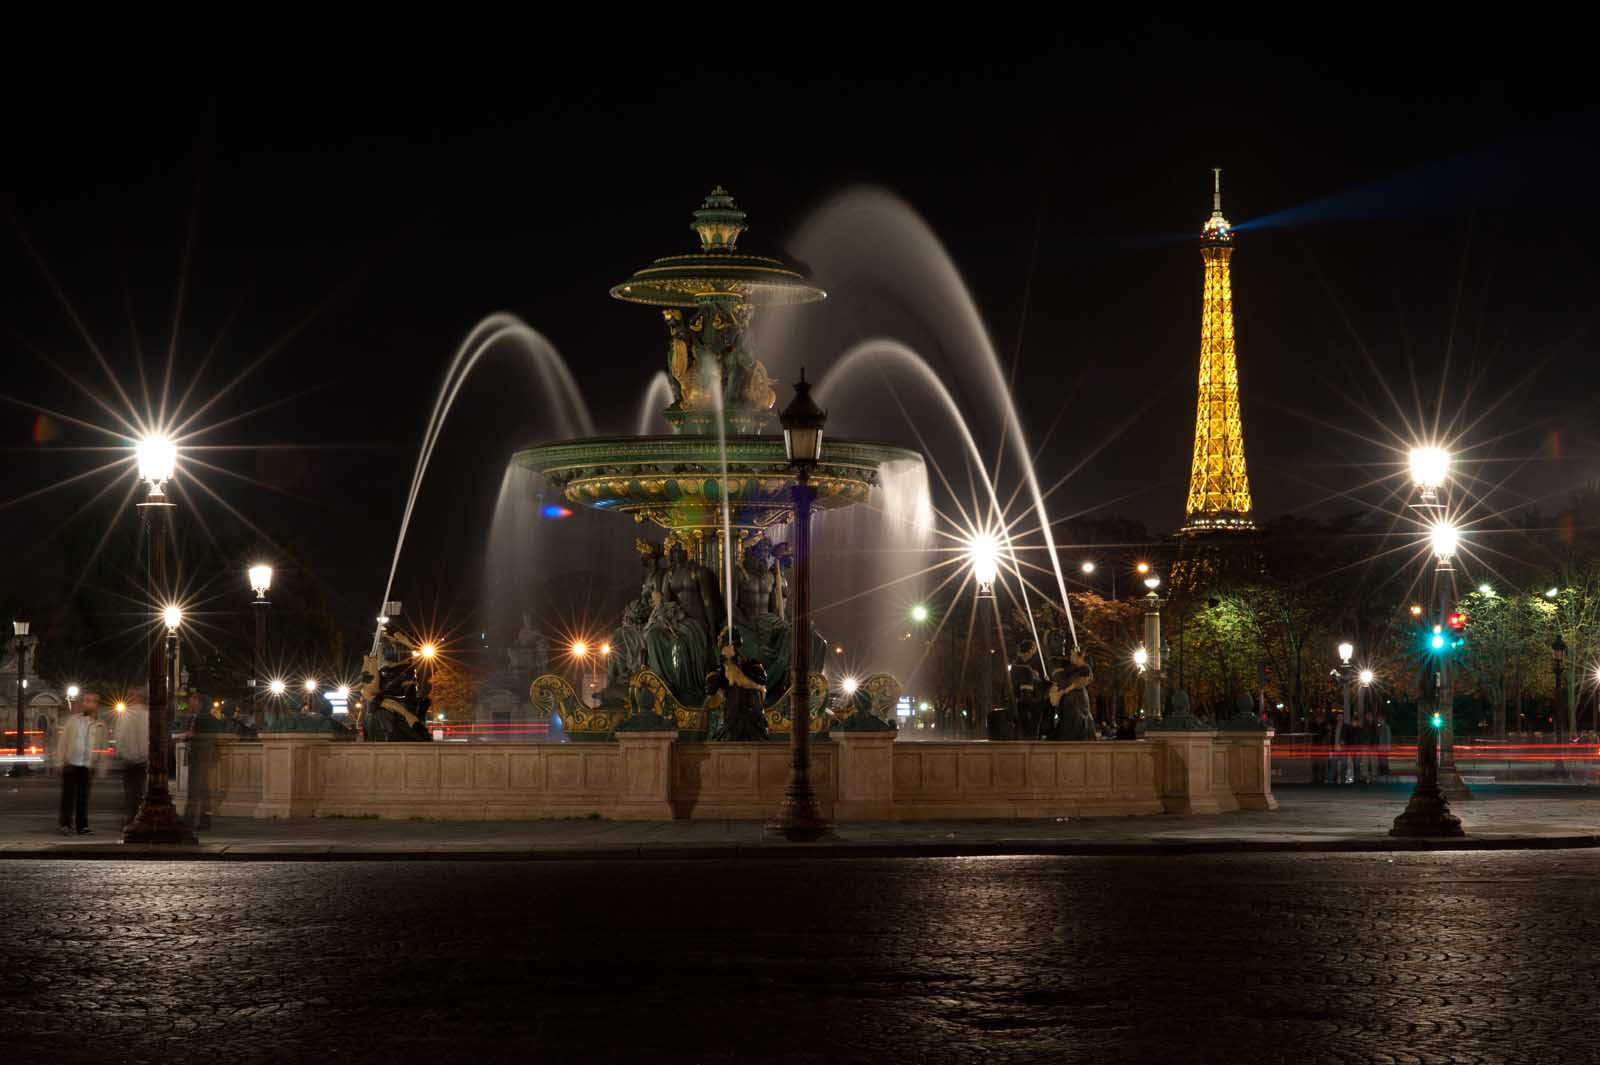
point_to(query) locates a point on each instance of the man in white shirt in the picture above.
(131, 730)
(75, 752)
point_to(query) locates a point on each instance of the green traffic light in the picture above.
(1438, 720)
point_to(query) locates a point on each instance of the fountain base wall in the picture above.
(648, 776)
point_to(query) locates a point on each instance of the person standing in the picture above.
(131, 731)
(1385, 737)
(75, 751)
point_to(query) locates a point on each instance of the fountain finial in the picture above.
(718, 221)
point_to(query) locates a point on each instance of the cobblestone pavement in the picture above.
(1246, 958)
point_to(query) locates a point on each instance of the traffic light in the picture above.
(1437, 720)
(1437, 641)
(1456, 620)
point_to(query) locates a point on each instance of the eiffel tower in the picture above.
(1219, 488)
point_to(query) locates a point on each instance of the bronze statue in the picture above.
(1069, 695)
(742, 683)
(395, 693)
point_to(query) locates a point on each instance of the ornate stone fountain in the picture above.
(712, 494)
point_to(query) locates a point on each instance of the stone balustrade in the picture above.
(858, 776)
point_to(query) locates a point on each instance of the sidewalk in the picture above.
(1310, 820)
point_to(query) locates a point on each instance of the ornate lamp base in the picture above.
(799, 820)
(157, 824)
(1427, 814)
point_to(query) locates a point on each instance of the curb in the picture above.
(831, 849)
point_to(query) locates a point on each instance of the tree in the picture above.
(1507, 648)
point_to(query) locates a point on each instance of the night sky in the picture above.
(354, 211)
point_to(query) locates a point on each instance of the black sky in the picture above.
(365, 203)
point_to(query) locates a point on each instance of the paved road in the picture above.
(1412, 957)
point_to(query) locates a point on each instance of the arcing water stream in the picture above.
(571, 411)
(866, 241)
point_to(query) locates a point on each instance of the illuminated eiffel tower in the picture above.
(1219, 488)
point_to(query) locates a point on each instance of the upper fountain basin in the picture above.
(676, 481)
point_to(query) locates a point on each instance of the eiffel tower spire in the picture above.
(1219, 488)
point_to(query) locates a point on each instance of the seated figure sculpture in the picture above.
(677, 638)
(761, 611)
(627, 642)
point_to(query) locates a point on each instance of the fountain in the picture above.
(698, 681)
(714, 486)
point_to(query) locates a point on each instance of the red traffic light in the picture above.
(1457, 620)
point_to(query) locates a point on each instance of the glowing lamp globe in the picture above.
(580, 648)
(1141, 658)
(1152, 583)
(1346, 650)
(1443, 539)
(849, 685)
(1429, 466)
(919, 613)
(173, 617)
(277, 687)
(342, 691)
(1365, 676)
(429, 650)
(1087, 567)
(311, 684)
(157, 458)
(984, 555)
(260, 579)
(72, 691)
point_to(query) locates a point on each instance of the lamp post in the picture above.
(983, 556)
(260, 583)
(1344, 673)
(799, 819)
(19, 644)
(157, 819)
(1152, 641)
(1427, 812)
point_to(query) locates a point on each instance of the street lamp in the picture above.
(983, 554)
(1427, 812)
(919, 613)
(1152, 643)
(260, 582)
(799, 818)
(1141, 658)
(1345, 673)
(19, 644)
(277, 687)
(157, 820)
(172, 617)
